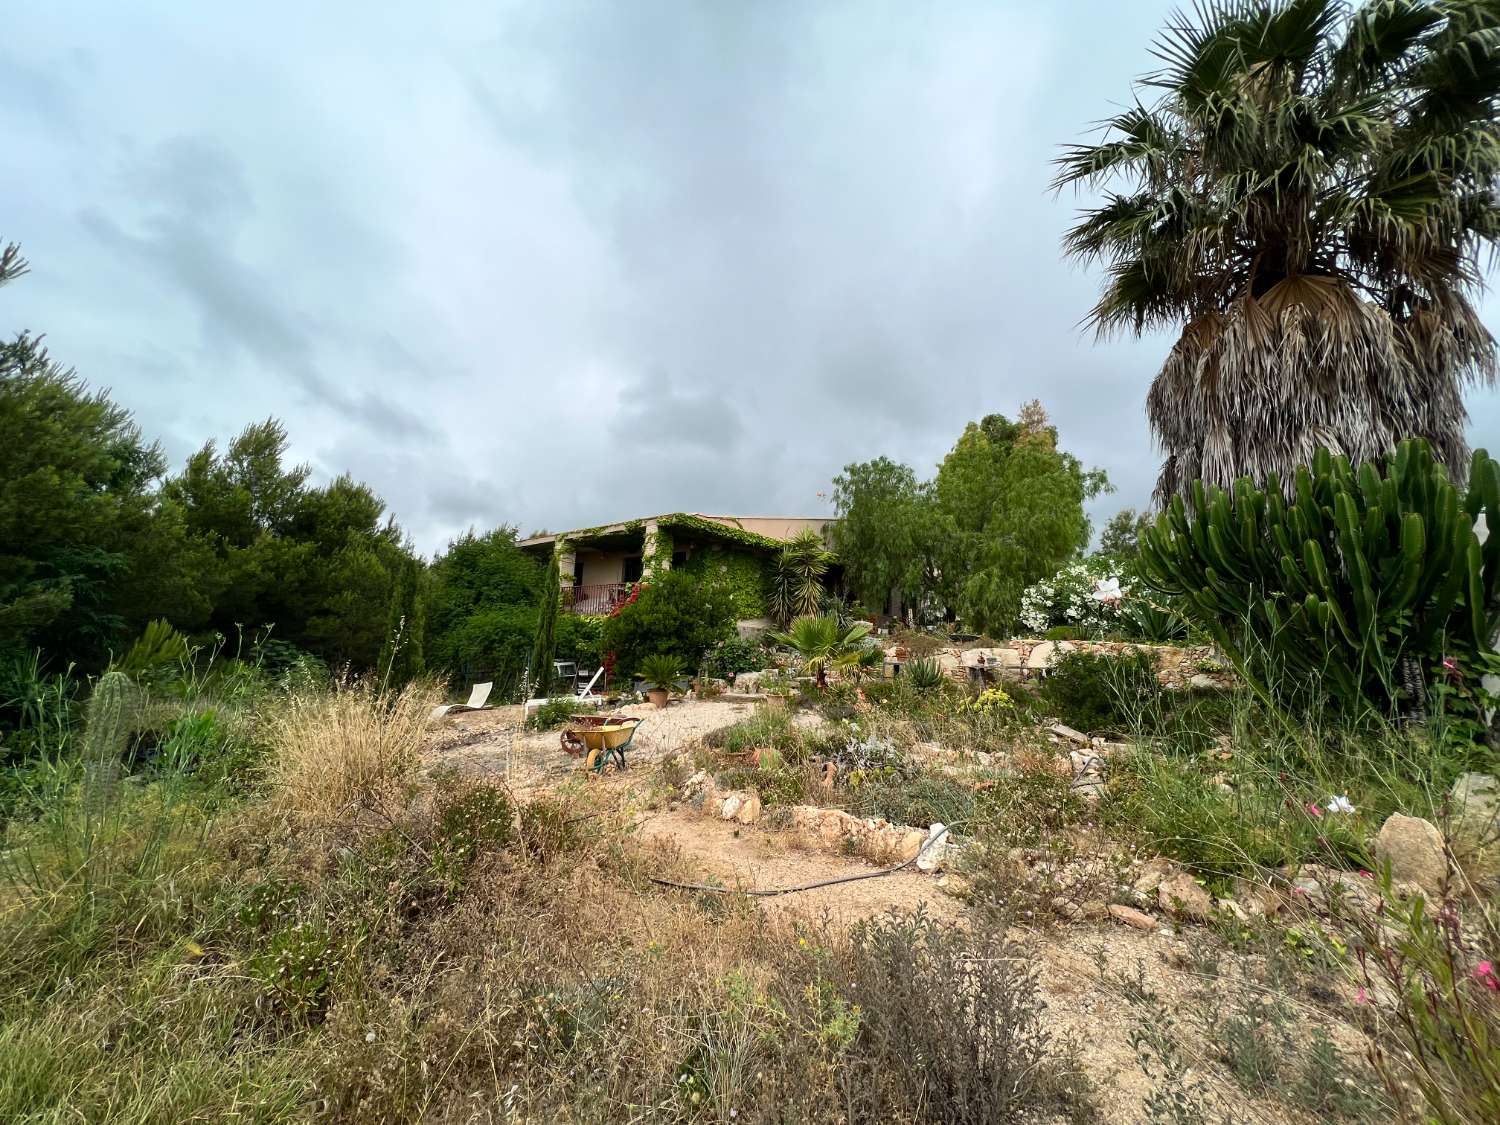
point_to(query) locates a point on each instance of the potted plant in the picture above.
(660, 673)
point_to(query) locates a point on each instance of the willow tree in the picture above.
(1304, 192)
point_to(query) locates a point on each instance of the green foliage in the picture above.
(482, 611)
(797, 577)
(580, 638)
(923, 800)
(1121, 537)
(544, 642)
(677, 614)
(1330, 590)
(742, 573)
(924, 674)
(473, 820)
(660, 670)
(1005, 510)
(295, 968)
(1306, 191)
(401, 655)
(1065, 633)
(1099, 693)
(728, 659)
(884, 536)
(554, 713)
(821, 641)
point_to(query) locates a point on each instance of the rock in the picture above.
(830, 775)
(1094, 910)
(1042, 656)
(731, 806)
(1066, 908)
(1233, 909)
(1182, 896)
(949, 662)
(749, 811)
(937, 846)
(1414, 849)
(1151, 875)
(1131, 917)
(911, 843)
(1090, 787)
(1202, 681)
(1067, 732)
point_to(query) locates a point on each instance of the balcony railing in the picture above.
(600, 598)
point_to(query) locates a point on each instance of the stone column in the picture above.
(656, 550)
(567, 565)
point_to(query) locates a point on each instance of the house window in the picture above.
(631, 572)
(679, 558)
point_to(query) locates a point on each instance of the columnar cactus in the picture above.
(1341, 580)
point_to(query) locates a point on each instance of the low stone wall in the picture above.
(1197, 666)
(825, 829)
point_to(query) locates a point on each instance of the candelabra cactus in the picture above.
(1346, 577)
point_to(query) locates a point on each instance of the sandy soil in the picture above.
(1080, 1006)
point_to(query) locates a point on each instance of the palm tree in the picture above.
(821, 641)
(797, 581)
(1307, 196)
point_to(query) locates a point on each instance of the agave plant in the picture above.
(1305, 194)
(821, 641)
(797, 580)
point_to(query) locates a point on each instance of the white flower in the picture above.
(1340, 804)
(1108, 590)
(369, 1037)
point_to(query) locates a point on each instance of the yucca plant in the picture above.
(1304, 192)
(1371, 583)
(797, 577)
(925, 674)
(820, 641)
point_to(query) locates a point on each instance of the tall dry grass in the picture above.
(333, 753)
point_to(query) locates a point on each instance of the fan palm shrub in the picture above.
(821, 641)
(1304, 194)
(797, 579)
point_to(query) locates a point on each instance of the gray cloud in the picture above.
(557, 264)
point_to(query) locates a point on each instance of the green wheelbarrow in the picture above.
(602, 741)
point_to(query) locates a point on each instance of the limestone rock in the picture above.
(749, 812)
(1414, 849)
(1475, 804)
(731, 806)
(1152, 875)
(932, 858)
(911, 843)
(1041, 657)
(1182, 896)
(1062, 730)
(1131, 917)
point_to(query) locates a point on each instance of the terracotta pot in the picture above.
(658, 697)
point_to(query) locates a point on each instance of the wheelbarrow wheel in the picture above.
(593, 761)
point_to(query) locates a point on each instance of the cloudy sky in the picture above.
(555, 263)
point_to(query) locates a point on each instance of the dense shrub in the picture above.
(925, 799)
(676, 614)
(1067, 598)
(1100, 693)
(1360, 588)
(728, 659)
(553, 714)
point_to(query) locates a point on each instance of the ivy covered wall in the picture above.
(745, 572)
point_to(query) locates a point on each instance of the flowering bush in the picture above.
(1086, 594)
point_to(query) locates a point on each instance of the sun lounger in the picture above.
(478, 701)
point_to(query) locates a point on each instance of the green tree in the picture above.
(1121, 537)
(1009, 512)
(481, 614)
(885, 532)
(544, 643)
(89, 552)
(401, 655)
(1306, 198)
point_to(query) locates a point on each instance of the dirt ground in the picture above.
(1080, 1006)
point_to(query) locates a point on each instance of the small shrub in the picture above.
(1098, 692)
(296, 968)
(983, 1059)
(553, 714)
(550, 827)
(1066, 633)
(476, 819)
(728, 659)
(924, 674)
(926, 799)
(766, 728)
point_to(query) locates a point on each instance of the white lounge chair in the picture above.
(478, 701)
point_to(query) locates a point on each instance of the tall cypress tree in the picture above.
(544, 647)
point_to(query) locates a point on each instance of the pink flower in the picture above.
(1362, 996)
(1313, 810)
(1484, 972)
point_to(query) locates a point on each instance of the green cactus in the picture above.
(1346, 579)
(106, 734)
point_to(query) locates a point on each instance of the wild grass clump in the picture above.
(766, 728)
(337, 751)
